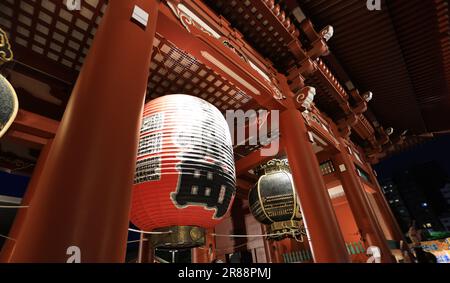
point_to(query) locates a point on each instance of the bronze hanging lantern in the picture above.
(9, 104)
(274, 202)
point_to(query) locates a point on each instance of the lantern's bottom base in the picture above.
(180, 237)
(285, 229)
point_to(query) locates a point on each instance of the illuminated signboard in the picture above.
(440, 248)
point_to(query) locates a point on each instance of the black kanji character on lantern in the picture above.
(203, 182)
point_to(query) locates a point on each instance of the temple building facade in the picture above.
(152, 125)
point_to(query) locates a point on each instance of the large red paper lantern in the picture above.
(185, 176)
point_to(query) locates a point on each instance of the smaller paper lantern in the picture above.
(9, 105)
(274, 202)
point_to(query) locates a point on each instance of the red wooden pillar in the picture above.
(267, 246)
(200, 255)
(9, 245)
(268, 251)
(277, 252)
(205, 254)
(272, 254)
(82, 199)
(196, 255)
(327, 243)
(359, 203)
(146, 251)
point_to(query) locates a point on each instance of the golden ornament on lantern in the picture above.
(274, 202)
(6, 54)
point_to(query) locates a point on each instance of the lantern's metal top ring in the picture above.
(273, 165)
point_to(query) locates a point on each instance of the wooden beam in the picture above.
(50, 79)
(29, 102)
(252, 160)
(35, 125)
(44, 67)
(26, 139)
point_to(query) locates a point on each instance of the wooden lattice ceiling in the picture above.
(49, 30)
(175, 71)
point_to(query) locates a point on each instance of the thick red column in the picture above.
(146, 251)
(9, 245)
(359, 203)
(83, 195)
(271, 248)
(277, 252)
(268, 248)
(205, 254)
(268, 251)
(327, 243)
(200, 255)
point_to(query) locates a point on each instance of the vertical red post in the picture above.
(359, 203)
(268, 249)
(271, 249)
(327, 243)
(205, 254)
(200, 255)
(9, 245)
(277, 252)
(82, 199)
(146, 251)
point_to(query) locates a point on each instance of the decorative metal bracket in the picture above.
(305, 98)
(6, 54)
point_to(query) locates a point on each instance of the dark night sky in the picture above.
(12, 185)
(437, 149)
